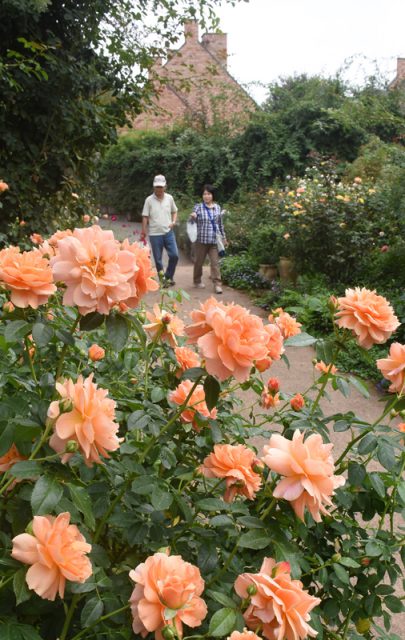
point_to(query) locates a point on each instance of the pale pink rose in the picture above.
(234, 463)
(369, 316)
(86, 218)
(357, 180)
(280, 606)
(275, 348)
(393, 367)
(186, 359)
(57, 552)
(297, 402)
(96, 352)
(27, 275)
(325, 368)
(90, 422)
(166, 582)
(143, 280)
(229, 338)
(308, 467)
(164, 325)
(196, 402)
(97, 272)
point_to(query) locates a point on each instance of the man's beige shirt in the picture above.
(159, 213)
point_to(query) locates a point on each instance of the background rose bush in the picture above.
(151, 497)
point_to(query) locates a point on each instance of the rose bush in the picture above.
(154, 484)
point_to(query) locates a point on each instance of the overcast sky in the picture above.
(272, 38)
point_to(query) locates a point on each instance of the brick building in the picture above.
(196, 85)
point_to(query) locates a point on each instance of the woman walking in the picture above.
(208, 216)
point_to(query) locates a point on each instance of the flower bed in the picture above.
(133, 501)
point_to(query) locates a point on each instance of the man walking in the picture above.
(159, 216)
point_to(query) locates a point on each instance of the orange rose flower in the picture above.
(90, 422)
(36, 238)
(270, 400)
(326, 368)
(273, 384)
(393, 367)
(287, 324)
(297, 402)
(280, 606)
(308, 467)
(3, 186)
(27, 275)
(229, 338)
(243, 635)
(275, 348)
(186, 358)
(164, 325)
(166, 582)
(8, 307)
(8, 460)
(144, 277)
(56, 551)
(195, 403)
(234, 463)
(369, 316)
(98, 274)
(96, 352)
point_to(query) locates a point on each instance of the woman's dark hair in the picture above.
(210, 189)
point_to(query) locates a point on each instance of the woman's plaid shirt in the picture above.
(205, 229)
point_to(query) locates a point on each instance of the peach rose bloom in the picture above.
(27, 275)
(393, 367)
(166, 582)
(186, 359)
(8, 307)
(98, 274)
(195, 403)
(144, 278)
(308, 467)
(164, 325)
(90, 422)
(369, 316)
(56, 552)
(3, 186)
(326, 368)
(86, 217)
(280, 606)
(234, 463)
(229, 338)
(270, 400)
(8, 460)
(96, 352)
(297, 402)
(36, 238)
(275, 348)
(287, 324)
(243, 635)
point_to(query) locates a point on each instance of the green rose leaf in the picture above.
(21, 591)
(161, 499)
(255, 539)
(117, 331)
(212, 390)
(91, 611)
(46, 495)
(82, 500)
(222, 622)
(91, 321)
(300, 340)
(26, 469)
(42, 333)
(16, 331)
(386, 455)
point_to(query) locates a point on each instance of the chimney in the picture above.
(191, 30)
(216, 43)
(400, 69)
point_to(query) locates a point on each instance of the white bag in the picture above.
(192, 231)
(220, 246)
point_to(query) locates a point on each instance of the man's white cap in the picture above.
(159, 181)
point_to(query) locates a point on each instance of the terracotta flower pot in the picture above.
(268, 271)
(287, 270)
